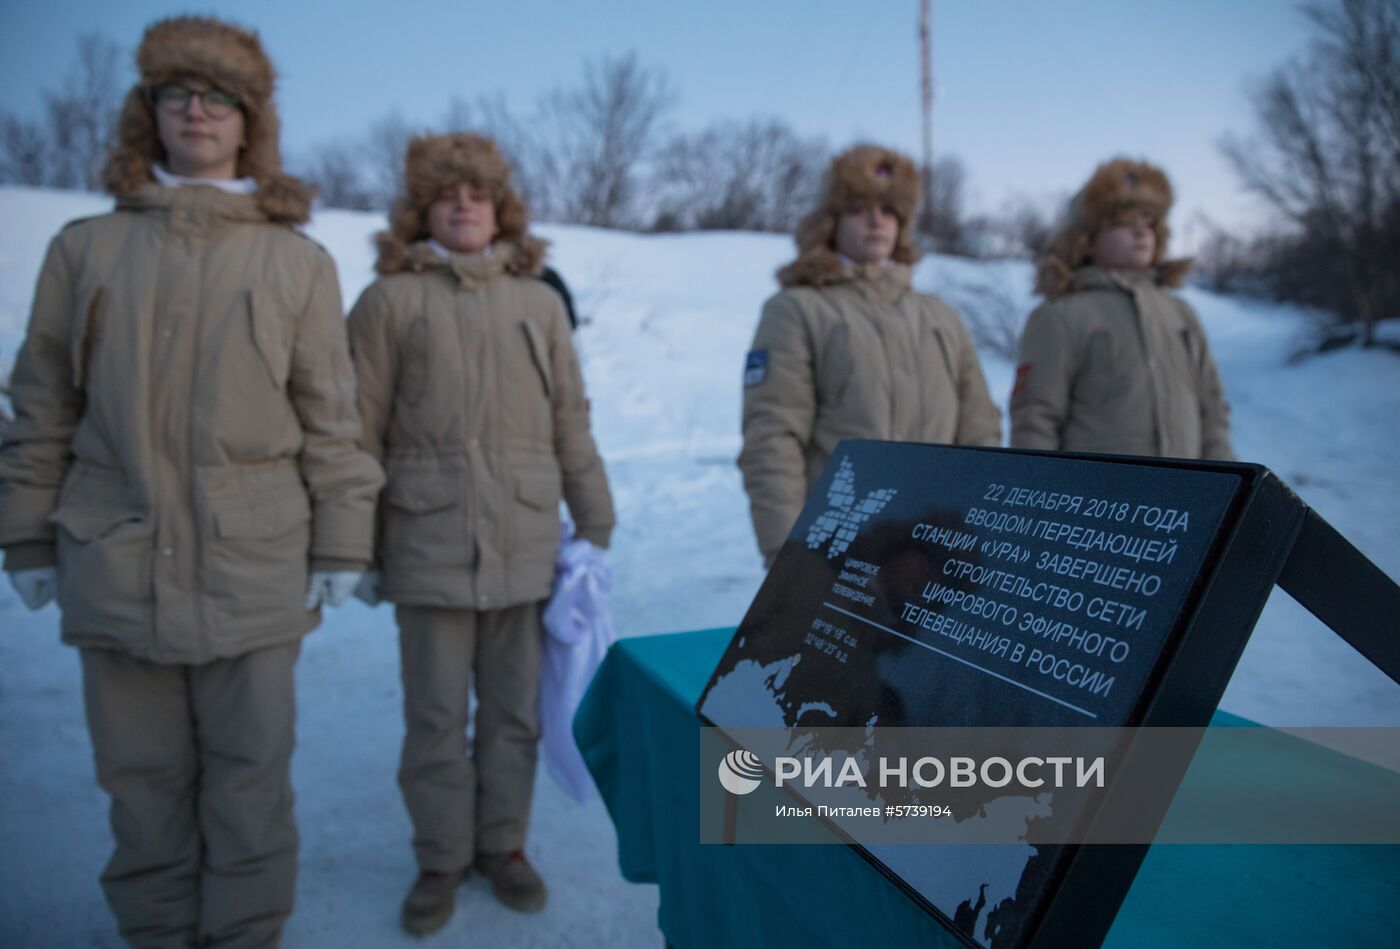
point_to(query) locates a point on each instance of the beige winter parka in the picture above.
(853, 354)
(185, 446)
(471, 394)
(1119, 364)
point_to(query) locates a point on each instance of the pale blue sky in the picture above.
(1031, 94)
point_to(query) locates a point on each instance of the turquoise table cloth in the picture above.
(640, 738)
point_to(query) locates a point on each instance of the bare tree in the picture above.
(94, 96)
(367, 173)
(68, 146)
(24, 151)
(1361, 40)
(1227, 263)
(1325, 157)
(339, 176)
(992, 311)
(757, 175)
(1021, 229)
(364, 173)
(941, 217)
(64, 162)
(601, 134)
(384, 150)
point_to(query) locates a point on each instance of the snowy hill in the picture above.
(669, 319)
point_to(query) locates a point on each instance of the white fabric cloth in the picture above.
(231, 185)
(35, 586)
(331, 588)
(578, 631)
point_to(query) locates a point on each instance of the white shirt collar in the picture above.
(442, 251)
(229, 185)
(848, 262)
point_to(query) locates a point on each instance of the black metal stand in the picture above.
(1341, 587)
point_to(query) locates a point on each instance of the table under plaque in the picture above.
(927, 586)
(640, 737)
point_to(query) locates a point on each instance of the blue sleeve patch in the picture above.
(755, 368)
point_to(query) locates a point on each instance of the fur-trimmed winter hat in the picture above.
(436, 163)
(1115, 188)
(858, 177)
(230, 58)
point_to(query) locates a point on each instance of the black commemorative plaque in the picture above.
(937, 586)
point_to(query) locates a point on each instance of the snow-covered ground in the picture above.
(668, 320)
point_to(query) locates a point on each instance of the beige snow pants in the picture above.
(462, 804)
(196, 760)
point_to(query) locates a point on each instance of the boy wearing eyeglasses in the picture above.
(183, 475)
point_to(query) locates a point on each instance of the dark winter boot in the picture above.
(513, 880)
(428, 906)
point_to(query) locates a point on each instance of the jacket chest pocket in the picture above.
(943, 351)
(413, 362)
(269, 334)
(539, 356)
(1103, 376)
(526, 384)
(1191, 349)
(835, 366)
(89, 325)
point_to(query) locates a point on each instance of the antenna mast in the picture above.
(926, 66)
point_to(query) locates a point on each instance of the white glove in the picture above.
(35, 586)
(330, 589)
(367, 590)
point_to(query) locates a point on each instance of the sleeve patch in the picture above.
(755, 368)
(1023, 377)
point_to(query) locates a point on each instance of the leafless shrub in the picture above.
(993, 313)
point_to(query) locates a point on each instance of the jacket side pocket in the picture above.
(104, 544)
(257, 558)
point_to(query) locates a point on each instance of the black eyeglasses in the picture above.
(174, 99)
